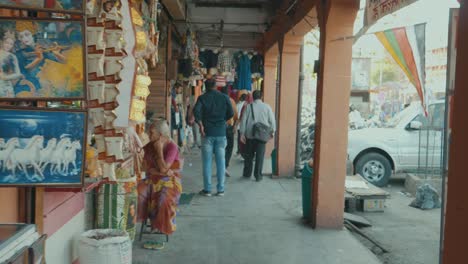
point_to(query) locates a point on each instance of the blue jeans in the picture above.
(218, 145)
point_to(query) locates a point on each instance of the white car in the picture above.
(402, 145)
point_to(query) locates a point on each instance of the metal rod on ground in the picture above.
(299, 114)
(355, 229)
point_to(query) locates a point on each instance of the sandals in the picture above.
(153, 245)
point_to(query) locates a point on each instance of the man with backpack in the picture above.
(257, 127)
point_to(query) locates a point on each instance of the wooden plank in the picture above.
(361, 192)
(39, 209)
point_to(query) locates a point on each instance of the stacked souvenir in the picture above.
(105, 54)
(118, 89)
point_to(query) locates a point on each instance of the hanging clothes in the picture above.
(212, 60)
(225, 63)
(256, 64)
(209, 59)
(244, 81)
(186, 67)
(203, 57)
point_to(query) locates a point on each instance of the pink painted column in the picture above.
(333, 92)
(269, 84)
(288, 101)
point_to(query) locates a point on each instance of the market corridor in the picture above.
(254, 223)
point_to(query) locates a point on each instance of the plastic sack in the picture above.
(105, 246)
(427, 198)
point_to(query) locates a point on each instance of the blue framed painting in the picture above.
(42, 147)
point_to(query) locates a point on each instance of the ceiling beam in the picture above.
(207, 32)
(286, 19)
(229, 4)
(219, 22)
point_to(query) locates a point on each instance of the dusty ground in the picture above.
(411, 235)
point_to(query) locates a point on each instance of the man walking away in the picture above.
(230, 128)
(212, 110)
(262, 114)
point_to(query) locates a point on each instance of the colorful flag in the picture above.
(407, 46)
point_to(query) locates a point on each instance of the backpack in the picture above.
(260, 131)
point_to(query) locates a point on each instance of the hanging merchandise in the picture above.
(256, 65)
(109, 10)
(203, 57)
(149, 13)
(185, 67)
(225, 62)
(209, 59)
(244, 73)
(257, 83)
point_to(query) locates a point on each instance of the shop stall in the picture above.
(73, 95)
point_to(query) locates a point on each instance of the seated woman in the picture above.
(159, 193)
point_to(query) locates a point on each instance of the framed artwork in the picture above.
(42, 60)
(62, 6)
(42, 147)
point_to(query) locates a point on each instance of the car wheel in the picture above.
(375, 168)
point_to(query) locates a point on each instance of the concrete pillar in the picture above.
(456, 230)
(333, 92)
(270, 84)
(288, 100)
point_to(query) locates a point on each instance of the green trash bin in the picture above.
(307, 176)
(273, 162)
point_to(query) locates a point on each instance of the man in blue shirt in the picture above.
(211, 111)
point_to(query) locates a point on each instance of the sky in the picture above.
(435, 13)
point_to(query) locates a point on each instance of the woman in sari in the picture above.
(159, 193)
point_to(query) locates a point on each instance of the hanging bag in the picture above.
(260, 131)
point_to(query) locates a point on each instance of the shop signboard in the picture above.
(376, 9)
(63, 6)
(42, 59)
(42, 147)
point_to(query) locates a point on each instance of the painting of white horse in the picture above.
(42, 147)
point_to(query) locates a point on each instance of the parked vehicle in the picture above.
(377, 152)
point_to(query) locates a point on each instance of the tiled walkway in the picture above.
(254, 223)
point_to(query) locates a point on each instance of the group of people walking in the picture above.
(216, 115)
(219, 118)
